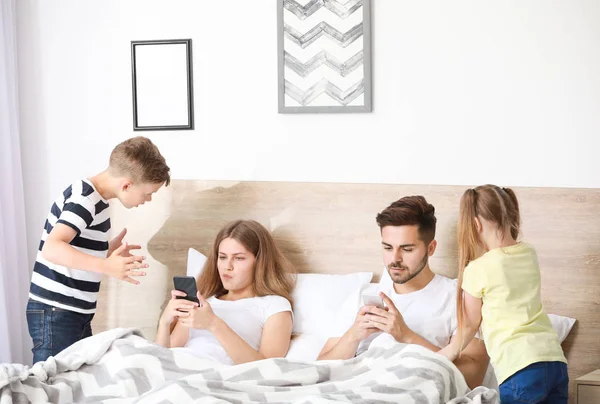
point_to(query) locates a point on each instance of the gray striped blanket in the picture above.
(120, 366)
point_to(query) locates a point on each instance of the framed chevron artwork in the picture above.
(324, 55)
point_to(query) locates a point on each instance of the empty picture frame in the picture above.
(163, 96)
(324, 55)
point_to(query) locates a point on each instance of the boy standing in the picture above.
(75, 251)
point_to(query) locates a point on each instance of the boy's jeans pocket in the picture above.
(53, 329)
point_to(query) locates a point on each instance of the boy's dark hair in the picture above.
(410, 211)
(139, 159)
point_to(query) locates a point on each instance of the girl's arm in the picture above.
(472, 320)
(473, 363)
(275, 340)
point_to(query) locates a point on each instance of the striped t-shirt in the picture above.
(82, 208)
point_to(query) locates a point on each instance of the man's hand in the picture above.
(390, 320)
(124, 267)
(118, 241)
(361, 329)
(346, 346)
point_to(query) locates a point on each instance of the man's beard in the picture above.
(408, 274)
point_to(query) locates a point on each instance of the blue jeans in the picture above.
(53, 329)
(542, 382)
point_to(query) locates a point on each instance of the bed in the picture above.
(330, 229)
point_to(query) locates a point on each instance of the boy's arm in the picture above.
(57, 250)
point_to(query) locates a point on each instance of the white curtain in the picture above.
(15, 343)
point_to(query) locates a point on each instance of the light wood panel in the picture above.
(587, 388)
(330, 228)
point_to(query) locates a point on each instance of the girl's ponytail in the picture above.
(468, 241)
(513, 213)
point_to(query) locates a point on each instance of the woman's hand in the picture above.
(201, 317)
(176, 308)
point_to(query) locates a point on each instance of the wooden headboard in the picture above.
(330, 228)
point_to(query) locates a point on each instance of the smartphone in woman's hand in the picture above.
(186, 284)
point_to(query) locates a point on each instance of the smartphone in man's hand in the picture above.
(372, 299)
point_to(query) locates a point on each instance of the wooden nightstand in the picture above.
(587, 388)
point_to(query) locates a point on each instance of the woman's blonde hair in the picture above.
(273, 273)
(494, 204)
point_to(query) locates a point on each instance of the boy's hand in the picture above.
(123, 267)
(118, 241)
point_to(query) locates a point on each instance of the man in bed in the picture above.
(420, 305)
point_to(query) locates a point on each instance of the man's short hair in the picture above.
(139, 160)
(410, 211)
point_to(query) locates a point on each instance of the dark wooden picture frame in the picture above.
(162, 84)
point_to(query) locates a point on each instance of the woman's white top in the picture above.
(246, 317)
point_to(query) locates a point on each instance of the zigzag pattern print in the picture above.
(323, 58)
(342, 10)
(323, 55)
(120, 365)
(342, 39)
(324, 86)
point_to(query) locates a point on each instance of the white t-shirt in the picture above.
(246, 317)
(430, 312)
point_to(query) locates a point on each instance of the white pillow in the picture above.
(347, 312)
(385, 278)
(562, 325)
(305, 347)
(195, 263)
(319, 297)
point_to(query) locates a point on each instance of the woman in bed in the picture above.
(245, 310)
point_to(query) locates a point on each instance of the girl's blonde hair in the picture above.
(273, 273)
(494, 204)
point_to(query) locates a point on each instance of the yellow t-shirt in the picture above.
(515, 329)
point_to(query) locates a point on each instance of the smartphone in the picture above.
(372, 299)
(186, 284)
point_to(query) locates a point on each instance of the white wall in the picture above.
(465, 92)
